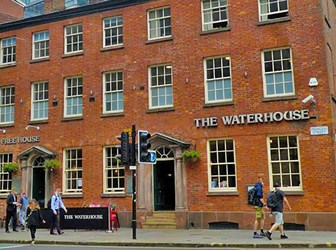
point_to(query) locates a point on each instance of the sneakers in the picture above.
(262, 234)
(33, 242)
(284, 236)
(268, 235)
(257, 236)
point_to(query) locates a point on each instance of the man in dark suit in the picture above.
(12, 204)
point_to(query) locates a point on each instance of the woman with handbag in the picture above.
(34, 217)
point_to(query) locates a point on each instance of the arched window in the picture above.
(164, 153)
(38, 162)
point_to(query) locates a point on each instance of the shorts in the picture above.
(278, 218)
(260, 214)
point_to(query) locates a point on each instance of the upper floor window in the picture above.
(40, 96)
(160, 86)
(41, 45)
(75, 3)
(73, 90)
(8, 50)
(33, 8)
(73, 170)
(284, 161)
(278, 73)
(113, 31)
(218, 85)
(272, 9)
(7, 98)
(222, 165)
(114, 172)
(215, 14)
(5, 177)
(159, 23)
(113, 92)
(73, 38)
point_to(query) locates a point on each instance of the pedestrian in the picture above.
(277, 211)
(24, 202)
(33, 218)
(56, 205)
(11, 210)
(259, 221)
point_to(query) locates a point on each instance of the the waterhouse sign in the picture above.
(292, 115)
(19, 140)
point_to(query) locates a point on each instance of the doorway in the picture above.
(38, 181)
(164, 185)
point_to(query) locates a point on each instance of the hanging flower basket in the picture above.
(191, 155)
(51, 164)
(10, 167)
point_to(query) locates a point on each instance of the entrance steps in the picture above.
(160, 220)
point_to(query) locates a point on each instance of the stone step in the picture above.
(164, 215)
(158, 226)
(160, 220)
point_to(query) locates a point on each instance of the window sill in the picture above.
(276, 20)
(116, 47)
(112, 114)
(215, 31)
(38, 121)
(222, 193)
(39, 60)
(158, 40)
(7, 65)
(7, 125)
(80, 53)
(4, 196)
(107, 195)
(157, 110)
(79, 195)
(210, 105)
(279, 98)
(294, 192)
(67, 119)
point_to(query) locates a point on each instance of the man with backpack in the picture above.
(275, 202)
(258, 206)
(56, 204)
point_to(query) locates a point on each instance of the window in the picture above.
(8, 50)
(113, 92)
(7, 97)
(34, 8)
(278, 74)
(75, 3)
(222, 165)
(284, 161)
(73, 169)
(218, 85)
(5, 177)
(272, 9)
(40, 96)
(215, 14)
(41, 45)
(159, 23)
(161, 86)
(113, 31)
(73, 39)
(73, 96)
(114, 172)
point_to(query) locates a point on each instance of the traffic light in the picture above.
(124, 148)
(144, 154)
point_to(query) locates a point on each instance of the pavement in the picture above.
(195, 238)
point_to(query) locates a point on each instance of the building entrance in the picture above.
(38, 181)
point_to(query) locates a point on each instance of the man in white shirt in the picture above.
(56, 205)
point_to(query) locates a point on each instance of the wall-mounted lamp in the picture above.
(31, 126)
(21, 100)
(309, 98)
(91, 92)
(3, 131)
(54, 97)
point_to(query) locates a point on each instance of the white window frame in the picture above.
(278, 14)
(156, 20)
(116, 91)
(10, 94)
(158, 87)
(222, 186)
(73, 3)
(115, 26)
(298, 161)
(39, 97)
(76, 35)
(207, 26)
(73, 170)
(113, 165)
(4, 48)
(5, 177)
(78, 85)
(282, 72)
(221, 78)
(41, 44)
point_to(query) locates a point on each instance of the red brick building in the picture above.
(250, 85)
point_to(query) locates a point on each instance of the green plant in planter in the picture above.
(191, 155)
(10, 167)
(51, 164)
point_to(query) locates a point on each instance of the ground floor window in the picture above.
(5, 177)
(73, 169)
(222, 165)
(114, 172)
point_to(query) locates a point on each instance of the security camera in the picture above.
(309, 98)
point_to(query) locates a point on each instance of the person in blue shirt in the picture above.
(56, 205)
(260, 214)
(24, 201)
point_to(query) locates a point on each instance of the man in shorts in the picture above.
(260, 214)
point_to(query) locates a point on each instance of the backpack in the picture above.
(272, 200)
(252, 198)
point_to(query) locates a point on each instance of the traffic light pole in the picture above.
(134, 223)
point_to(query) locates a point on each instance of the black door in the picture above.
(164, 185)
(39, 185)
